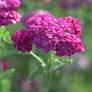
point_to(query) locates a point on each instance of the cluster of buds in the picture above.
(61, 35)
(8, 13)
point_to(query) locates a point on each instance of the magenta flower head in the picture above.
(70, 25)
(69, 45)
(48, 33)
(43, 24)
(22, 40)
(32, 16)
(9, 17)
(9, 4)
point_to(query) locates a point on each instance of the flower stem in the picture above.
(38, 58)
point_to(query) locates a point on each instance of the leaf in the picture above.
(5, 39)
(4, 35)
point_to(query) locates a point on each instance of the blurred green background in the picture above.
(76, 77)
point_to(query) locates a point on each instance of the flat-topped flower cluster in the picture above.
(61, 35)
(8, 14)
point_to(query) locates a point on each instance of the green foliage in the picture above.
(6, 80)
(6, 83)
(5, 40)
(4, 35)
(56, 62)
(7, 73)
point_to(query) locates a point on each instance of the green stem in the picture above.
(47, 78)
(38, 58)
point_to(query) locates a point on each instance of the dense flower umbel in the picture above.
(45, 28)
(9, 4)
(61, 35)
(9, 17)
(22, 40)
(69, 45)
(70, 25)
(8, 14)
(36, 17)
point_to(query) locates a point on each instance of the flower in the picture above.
(34, 15)
(5, 66)
(9, 17)
(9, 4)
(69, 45)
(8, 14)
(22, 40)
(25, 85)
(62, 35)
(70, 25)
(43, 25)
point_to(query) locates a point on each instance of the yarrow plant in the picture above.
(58, 38)
(61, 35)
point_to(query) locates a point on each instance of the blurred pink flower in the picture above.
(83, 62)
(5, 66)
(25, 85)
(34, 84)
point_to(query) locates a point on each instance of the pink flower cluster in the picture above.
(8, 14)
(61, 35)
(5, 64)
(23, 40)
(9, 4)
(70, 25)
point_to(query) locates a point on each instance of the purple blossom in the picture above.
(48, 33)
(9, 4)
(43, 41)
(22, 40)
(9, 17)
(43, 26)
(70, 25)
(69, 45)
(42, 23)
(35, 17)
